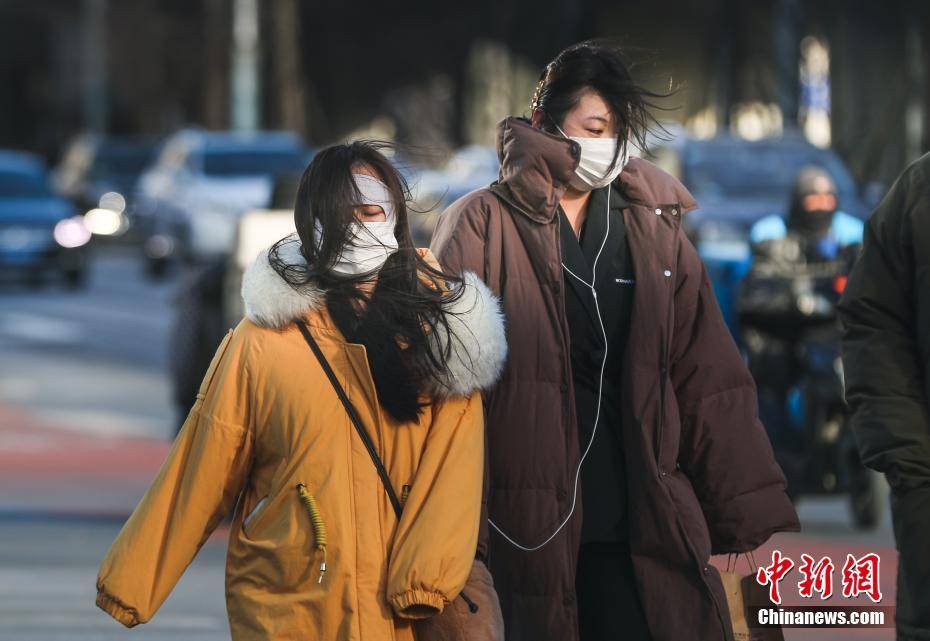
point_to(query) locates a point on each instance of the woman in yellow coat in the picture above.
(315, 549)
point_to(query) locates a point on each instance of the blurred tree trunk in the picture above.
(289, 82)
(94, 64)
(217, 25)
(788, 20)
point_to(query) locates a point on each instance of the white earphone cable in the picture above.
(600, 387)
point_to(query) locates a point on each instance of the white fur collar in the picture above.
(477, 356)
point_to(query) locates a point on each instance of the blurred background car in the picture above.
(434, 189)
(40, 233)
(208, 301)
(189, 201)
(737, 183)
(99, 175)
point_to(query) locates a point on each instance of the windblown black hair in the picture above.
(404, 305)
(598, 65)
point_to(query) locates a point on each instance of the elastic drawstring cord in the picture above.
(319, 528)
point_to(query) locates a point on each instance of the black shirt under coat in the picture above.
(603, 478)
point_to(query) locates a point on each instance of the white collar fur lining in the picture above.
(476, 358)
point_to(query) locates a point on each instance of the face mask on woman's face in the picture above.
(370, 243)
(593, 170)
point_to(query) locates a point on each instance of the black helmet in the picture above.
(814, 220)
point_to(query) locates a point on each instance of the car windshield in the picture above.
(17, 184)
(756, 171)
(122, 160)
(252, 162)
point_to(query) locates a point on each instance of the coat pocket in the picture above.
(255, 511)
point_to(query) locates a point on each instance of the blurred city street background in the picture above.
(150, 148)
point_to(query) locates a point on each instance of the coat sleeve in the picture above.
(884, 381)
(724, 449)
(434, 546)
(195, 488)
(460, 243)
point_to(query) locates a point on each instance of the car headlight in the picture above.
(71, 232)
(105, 222)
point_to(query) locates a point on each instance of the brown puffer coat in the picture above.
(702, 478)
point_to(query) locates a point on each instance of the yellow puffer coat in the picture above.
(268, 429)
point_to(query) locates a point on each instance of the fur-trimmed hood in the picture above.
(476, 355)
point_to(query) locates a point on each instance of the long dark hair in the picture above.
(406, 310)
(598, 65)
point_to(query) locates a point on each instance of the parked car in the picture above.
(209, 302)
(738, 182)
(40, 233)
(97, 172)
(200, 185)
(433, 190)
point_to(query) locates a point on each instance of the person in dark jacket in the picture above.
(618, 359)
(814, 239)
(886, 356)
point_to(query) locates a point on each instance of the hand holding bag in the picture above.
(476, 615)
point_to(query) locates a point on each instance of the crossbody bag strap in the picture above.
(363, 433)
(354, 417)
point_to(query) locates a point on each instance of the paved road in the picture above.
(95, 359)
(85, 421)
(47, 589)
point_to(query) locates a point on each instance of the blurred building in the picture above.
(439, 74)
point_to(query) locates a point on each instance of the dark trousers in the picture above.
(609, 607)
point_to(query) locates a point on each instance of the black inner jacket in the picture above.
(603, 479)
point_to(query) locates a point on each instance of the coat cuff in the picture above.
(747, 521)
(115, 608)
(418, 604)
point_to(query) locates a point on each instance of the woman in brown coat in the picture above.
(623, 386)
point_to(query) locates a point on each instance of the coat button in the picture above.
(658, 211)
(674, 211)
(706, 569)
(667, 272)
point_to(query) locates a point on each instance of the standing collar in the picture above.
(535, 168)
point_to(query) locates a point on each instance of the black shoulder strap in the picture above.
(354, 417)
(363, 433)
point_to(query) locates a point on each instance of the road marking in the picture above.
(105, 422)
(40, 328)
(89, 620)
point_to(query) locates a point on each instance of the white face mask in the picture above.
(596, 156)
(371, 243)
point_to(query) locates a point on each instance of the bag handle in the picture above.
(354, 417)
(733, 560)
